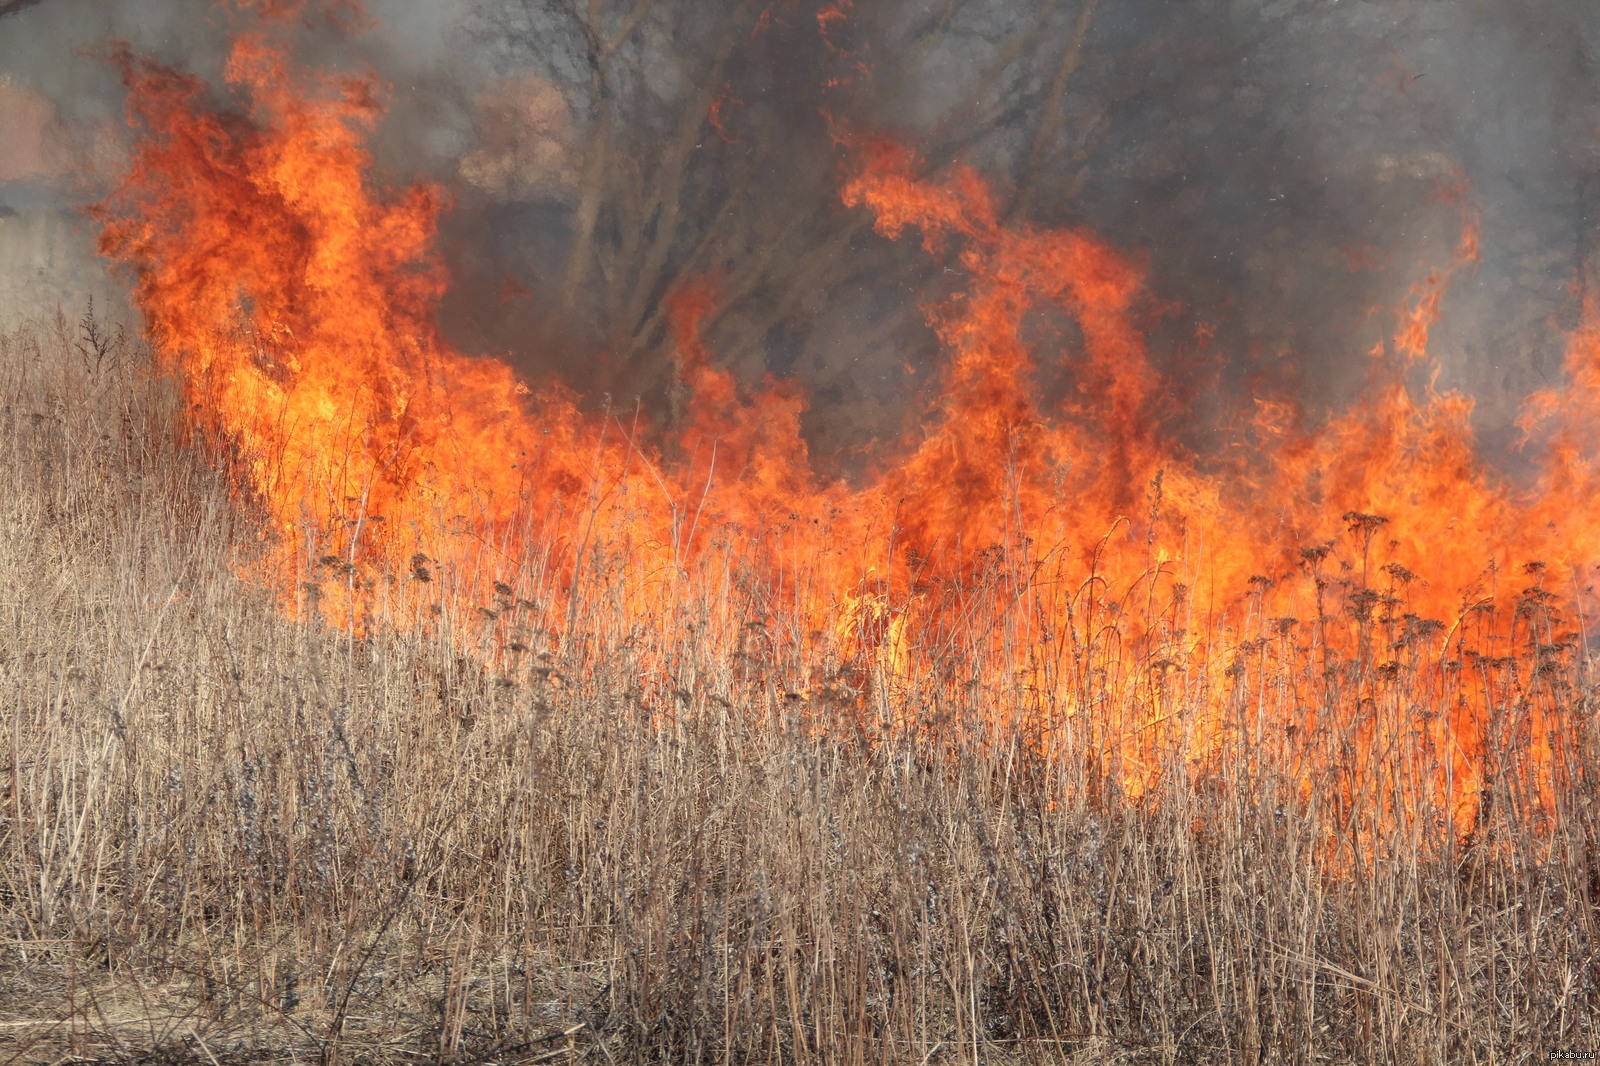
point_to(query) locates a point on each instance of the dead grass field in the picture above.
(229, 837)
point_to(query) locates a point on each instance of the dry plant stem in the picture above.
(227, 835)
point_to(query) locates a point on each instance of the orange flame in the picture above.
(1086, 575)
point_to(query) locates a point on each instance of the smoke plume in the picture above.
(1286, 171)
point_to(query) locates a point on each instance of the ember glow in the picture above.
(1363, 597)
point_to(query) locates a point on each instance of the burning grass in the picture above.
(1061, 573)
(227, 835)
(369, 703)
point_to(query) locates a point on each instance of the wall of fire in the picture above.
(1288, 169)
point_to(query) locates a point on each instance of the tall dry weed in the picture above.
(226, 835)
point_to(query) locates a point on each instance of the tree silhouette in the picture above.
(706, 141)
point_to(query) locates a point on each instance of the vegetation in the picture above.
(230, 836)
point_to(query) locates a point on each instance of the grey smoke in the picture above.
(1276, 163)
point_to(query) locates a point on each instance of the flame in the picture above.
(1342, 593)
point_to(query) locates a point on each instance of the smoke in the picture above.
(64, 139)
(1287, 169)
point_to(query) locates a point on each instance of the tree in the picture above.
(708, 141)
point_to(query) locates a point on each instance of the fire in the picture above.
(1366, 598)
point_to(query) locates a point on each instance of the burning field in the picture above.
(816, 594)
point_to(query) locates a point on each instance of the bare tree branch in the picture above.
(636, 16)
(1045, 132)
(672, 175)
(704, 157)
(964, 117)
(598, 156)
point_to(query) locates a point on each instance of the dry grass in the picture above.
(229, 837)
